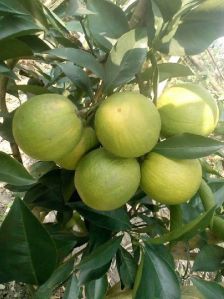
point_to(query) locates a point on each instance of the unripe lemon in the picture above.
(187, 108)
(106, 182)
(46, 127)
(127, 124)
(88, 141)
(126, 294)
(170, 181)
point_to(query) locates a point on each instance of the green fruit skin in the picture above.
(106, 182)
(86, 143)
(170, 181)
(127, 124)
(187, 108)
(46, 127)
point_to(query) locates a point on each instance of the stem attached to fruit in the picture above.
(208, 201)
(176, 219)
(3, 107)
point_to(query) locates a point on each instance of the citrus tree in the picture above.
(119, 161)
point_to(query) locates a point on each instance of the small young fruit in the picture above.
(170, 181)
(127, 124)
(87, 142)
(106, 182)
(187, 108)
(46, 127)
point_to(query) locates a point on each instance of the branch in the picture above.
(138, 14)
(3, 107)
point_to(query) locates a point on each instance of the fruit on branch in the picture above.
(106, 182)
(127, 124)
(187, 108)
(170, 181)
(87, 142)
(46, 127)
(125, 294)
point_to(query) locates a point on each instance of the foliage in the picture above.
(87, 50)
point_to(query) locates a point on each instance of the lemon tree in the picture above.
(113, 149)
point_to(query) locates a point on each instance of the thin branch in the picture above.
(3, 106)
(215, 64)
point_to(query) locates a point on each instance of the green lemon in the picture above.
(126, 294)
(187, 108)
(127, 124)
(170, 181)
(106, 182)
(88, 141)
(46, 127)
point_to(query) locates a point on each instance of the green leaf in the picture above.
(79, 57)
(97, 289)
(209, 289)
(107, 23)
(5, 8)
(127, 267)
(6, 71)
(168, 8)
(14, 48)
(72, 289)
(198, 29)
(17, 26)
(101, 255)
(33, 89)
(156, 278)
(116, 220)
(209, 259)
(186, 231)
(57, 278)
(22, 239)
(188, 146)
(125, 59)
(167, 71)
(13, 172)
(77, 76)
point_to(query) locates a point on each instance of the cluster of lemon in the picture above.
(128, 126)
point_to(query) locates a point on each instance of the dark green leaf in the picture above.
(198, 29)
(156, 278)
(32, 89)
(17, 26)
(60, 275)
(6, 71)
(116, 220)
(77, 76)
(107, 23)
(167, 71)
(79, 57)
(14, 48)
(126, 58)
(127, 267)
(101, 255)
(72, 290)
(13, 172)
(97, 289)
(188, 146)
(6, 8)
(22, 239)
(209, 259)
(209, 289)
(168, 8)
(187, 231)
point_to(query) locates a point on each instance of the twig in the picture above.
(3, 106)
(216, 65)
(87, 37)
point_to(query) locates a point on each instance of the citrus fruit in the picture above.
(127, 124)
(170, 181)
(77, 225)
(46, 127)
(106, 182)
(187, 108)
(88, 140)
